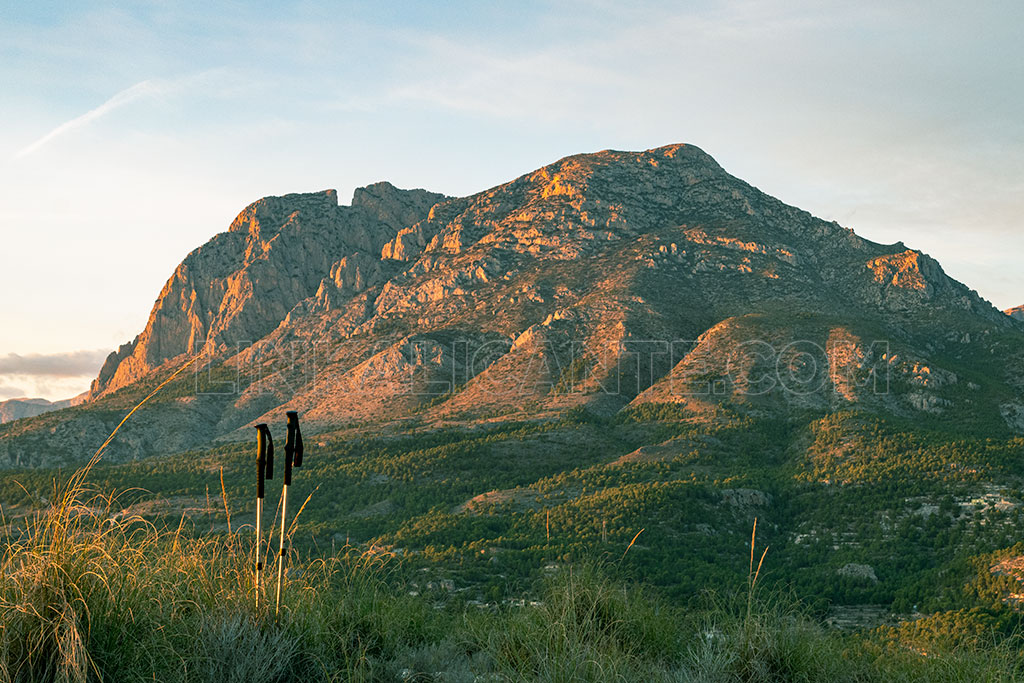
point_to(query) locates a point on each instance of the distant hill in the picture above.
(18, 408)
(1016, 312)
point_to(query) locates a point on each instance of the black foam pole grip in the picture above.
(270, 456)
(295, 437)
(292, 446)
(262, 436)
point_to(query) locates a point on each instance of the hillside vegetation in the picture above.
(585, 548)
(90, 594)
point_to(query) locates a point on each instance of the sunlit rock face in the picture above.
(601, 280)
(242, 283)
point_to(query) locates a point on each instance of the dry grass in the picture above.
(116, 599)
(92, 594)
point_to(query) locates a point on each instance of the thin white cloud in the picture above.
(69, 364)
(147, 88)
(53, 376)
(211, 80)
(50, 388)
(8, 391)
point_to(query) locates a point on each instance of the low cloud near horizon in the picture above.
(53, 376)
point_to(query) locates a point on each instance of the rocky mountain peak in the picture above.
(582, 200)
(549, 285)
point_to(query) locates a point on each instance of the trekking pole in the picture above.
(264, 471)
(292, 456)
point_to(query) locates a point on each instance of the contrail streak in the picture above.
(145, 88)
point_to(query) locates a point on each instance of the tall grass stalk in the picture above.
(752, 575)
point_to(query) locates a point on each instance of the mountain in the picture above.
(17, 408)
(1016, 312)
(599, 282)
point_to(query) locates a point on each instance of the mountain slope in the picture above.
(599, 280)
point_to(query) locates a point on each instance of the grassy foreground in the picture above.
(89, 595)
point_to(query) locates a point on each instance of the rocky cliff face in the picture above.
(240, 285)
(603, 280)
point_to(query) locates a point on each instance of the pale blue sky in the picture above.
(130, 133)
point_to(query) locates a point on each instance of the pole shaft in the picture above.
(259, 537)
(280, 551)
(264, 470)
